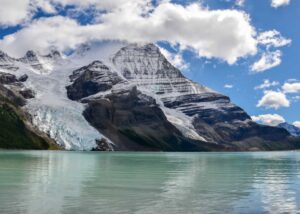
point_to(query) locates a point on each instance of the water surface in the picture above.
(86, 182)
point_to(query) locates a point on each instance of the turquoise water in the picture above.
(85, 182)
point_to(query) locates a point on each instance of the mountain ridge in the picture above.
(293, 130)
(146, 102)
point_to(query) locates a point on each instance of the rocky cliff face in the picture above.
(130, 98)
(134, 121)
(91, 79)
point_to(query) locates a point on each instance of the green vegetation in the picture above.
(14, 134)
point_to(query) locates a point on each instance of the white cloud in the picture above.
(270, 59)
(229, 86)
(279, 3)
(273, 99)
(104, 4)
(240, 3)
(269, 119)
(273, 38)
(14, 12)
(266, 84)
(297, 124)
(228, 34)
(45, 5)
(175, 59)
(291, 87)
(267, 61)
(296, 98)
(58, 31)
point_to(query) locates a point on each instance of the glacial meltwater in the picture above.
(91, 182)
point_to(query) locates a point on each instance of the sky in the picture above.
(248, 50)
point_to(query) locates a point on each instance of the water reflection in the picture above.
(75, 182)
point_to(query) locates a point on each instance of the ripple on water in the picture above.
(78, 182)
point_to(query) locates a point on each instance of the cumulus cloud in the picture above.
(293, 87)
(57, 31)
(228, 34)
(13, 12)
(273, 99)
(270, 58)
(266, 84)
(267, 61)
(279, 3)
(269, 119)
(273, 38)
(297, 124)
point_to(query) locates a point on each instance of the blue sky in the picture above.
(204, 63)
(216, 74)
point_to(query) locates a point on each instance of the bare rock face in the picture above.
(15, 86)
(6, 78)
(90, 80)
(7, 62)
(23, 78)
(27, 93)
(102, 145)
(31, 59)
(54, 55)
(12, 96)
(133, 121)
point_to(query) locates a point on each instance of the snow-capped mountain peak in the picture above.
(126, 93)
(293, 130)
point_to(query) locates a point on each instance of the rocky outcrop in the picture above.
(27, 93)
(54, 55)
(7, 62)
(134, 122)
(31, 59)
(6, 78)
(14, 84)
(23, 78)
(90, 80)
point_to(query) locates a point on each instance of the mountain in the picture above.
(117, 96)
(293, 130)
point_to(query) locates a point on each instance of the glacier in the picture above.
(51, 110)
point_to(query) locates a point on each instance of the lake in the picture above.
(90, 182)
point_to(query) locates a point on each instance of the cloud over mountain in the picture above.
(228, 33)
(269, 119)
